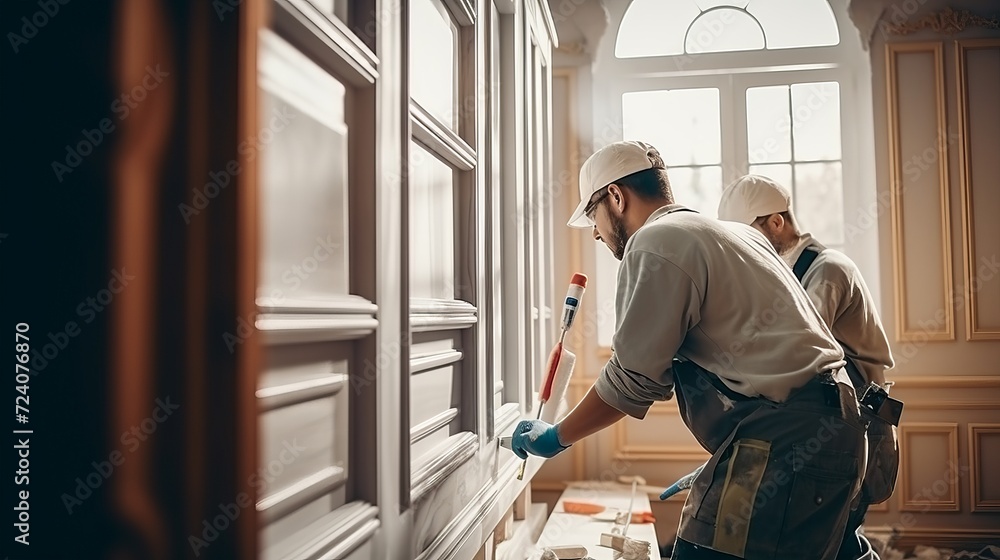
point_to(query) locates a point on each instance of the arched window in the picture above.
(658, 28)
(725, 88)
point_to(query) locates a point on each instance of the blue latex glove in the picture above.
(684, 483)
(536, 438)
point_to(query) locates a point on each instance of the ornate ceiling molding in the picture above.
(946, 21)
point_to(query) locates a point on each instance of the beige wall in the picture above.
(937, 181)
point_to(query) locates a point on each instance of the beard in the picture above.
(618, 237)
(781, 246)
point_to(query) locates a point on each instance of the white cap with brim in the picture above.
(606, 166)
(751, 197)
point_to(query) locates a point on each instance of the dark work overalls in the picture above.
(783, 477)
(883, 454)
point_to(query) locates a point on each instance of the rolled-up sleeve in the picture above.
(657, 304)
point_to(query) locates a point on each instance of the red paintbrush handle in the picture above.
(550, 375)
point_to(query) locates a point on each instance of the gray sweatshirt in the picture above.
(717, 294)
(835, 286)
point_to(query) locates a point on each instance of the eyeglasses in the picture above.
(592, 206)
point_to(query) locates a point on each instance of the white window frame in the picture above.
(732, 73)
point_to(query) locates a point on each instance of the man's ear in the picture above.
(617, 196)
(776, 222)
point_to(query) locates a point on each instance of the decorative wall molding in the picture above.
(333, 535)
(973, 331)
(910, 498)
(665, 453)
(896, 187)
(451, 538)
(288, 394)
(948, 382)
(451, 455)
(946, 21)
(441, 139)
(327, 39)
(287, 500)
(943, 537)
(505, 417)
(291, 329)
(339, 305)
(433, 361)
(935, 404)
(463, 11)
(441, 315)
(426, 428)
(979, 470)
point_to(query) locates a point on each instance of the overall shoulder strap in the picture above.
(804, 261)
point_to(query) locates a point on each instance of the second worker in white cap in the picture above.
(708, 311)
(837, 290)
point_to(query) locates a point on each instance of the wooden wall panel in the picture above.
(928, 461)
(978, 79)
(984, 457)
(921, 223)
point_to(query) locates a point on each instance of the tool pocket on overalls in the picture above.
(883, 463)
(823, 484)
(738, 497)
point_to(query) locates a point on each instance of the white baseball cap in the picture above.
(751, 197)
(607, 165)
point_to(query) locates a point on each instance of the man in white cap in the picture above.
(707, 310)
(837, 290)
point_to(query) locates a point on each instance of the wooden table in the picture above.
(574, 529)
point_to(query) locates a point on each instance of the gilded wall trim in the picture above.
(973, 331)
(896, 187)
(979, 471)
(932, 498)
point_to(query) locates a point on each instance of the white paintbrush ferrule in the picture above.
(571, 305)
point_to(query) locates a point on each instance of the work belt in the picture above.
(711, 410)
(783, 477)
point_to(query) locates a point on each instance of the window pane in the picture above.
(780, 173)
(698, 188)
(769, 130)
(654, 28)
(798, 23)
(434, 59)
(683, 124)
(432, 225)
(819, 200)
(816, 120)
(722, 30)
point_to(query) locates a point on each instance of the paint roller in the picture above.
(559, 367)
